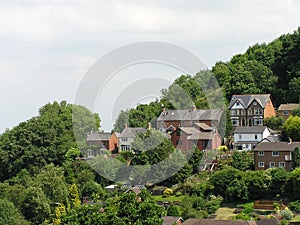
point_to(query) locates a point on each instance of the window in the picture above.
(242, 112)
(258, 121)
(237, 104)
(281, 164)
(240, 136)
(261, 164)
(260, 111)
(255, 136)
(125, 147)
(261, 153)
(254, 103)
(249, 112)
(124, 139)
(275, 153)
(272, 164)
(256, 111)
(285, 113)
(235, 122)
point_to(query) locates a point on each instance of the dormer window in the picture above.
(254, 103)
(237, 103)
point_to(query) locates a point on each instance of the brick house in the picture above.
(200, 135)
(274, 154)
(246, 138)
(105, 141)
(250, 110)
(285, 110)
(186, 118)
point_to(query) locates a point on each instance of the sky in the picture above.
(47, 46)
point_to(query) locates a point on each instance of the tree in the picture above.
(242, 160)
(173, 210)
(274, 122)
(257, 183)
(35, 207)
(9, 214)
(296, 158)
(74, 196)
(291, 128)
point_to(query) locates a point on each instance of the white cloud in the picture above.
(46, 46)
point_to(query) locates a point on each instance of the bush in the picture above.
(295, 206)
(168, 192)
(287, 214)
(178, 193)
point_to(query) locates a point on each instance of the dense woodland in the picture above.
(43, 182)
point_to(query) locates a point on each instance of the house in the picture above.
(127, 137)
(106, 140)
(171, 220)
(250, 110)
(186, 118)
(274, 154)
(285, 110)
(194, 221)
(246, 138)
(199, 134)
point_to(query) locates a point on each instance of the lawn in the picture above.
(171, 198)
(296, 219)
(225, 213)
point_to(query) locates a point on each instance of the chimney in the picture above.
(290, 140)
(149, 125)
(126, 126)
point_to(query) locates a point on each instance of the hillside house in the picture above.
(250, 110)
(274, 154)
(199, 134)
(186, 118)
(246, 138)
(285, 110)
(127, 137)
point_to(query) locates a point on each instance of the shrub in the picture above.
(168, 192)
(295, 206)
(178, 193)
(287, 214)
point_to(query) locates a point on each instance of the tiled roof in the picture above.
(277, 146)
(214, 222)
(250, 130)
(201, 136)
(104, 136)
(170, 220)
(184, 115)
(273, 221)
(93, 137)
(246, 100)
(189, 130)
(288, 107)
(130, 132)
(203, 126)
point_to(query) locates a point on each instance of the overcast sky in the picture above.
(46, 46)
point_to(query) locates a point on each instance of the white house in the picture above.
(246, 138)
(127, 137)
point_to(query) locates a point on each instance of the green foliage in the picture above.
(72, 154)
(291, 128)
(43, 139)
(296, 112)
(295, 206)
(122, 210)
(9, 214)
(34, 206)
(287, 214)
(296, 157)
(74, 196)
(274, 122)
(243, 160)
(173, 210)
